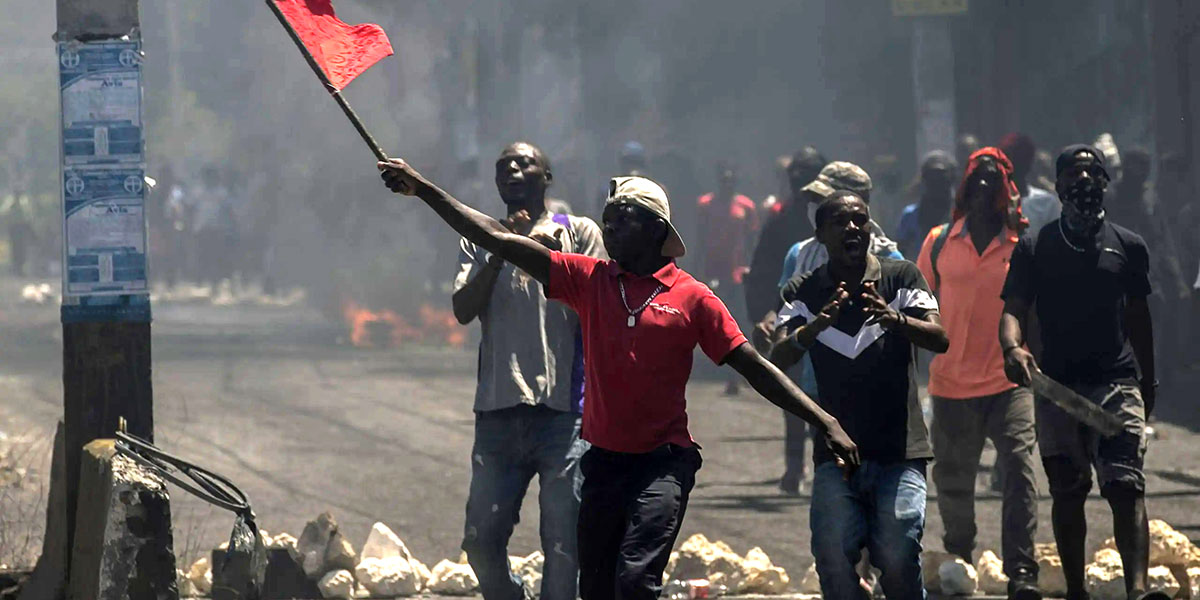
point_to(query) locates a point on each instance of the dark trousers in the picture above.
(631, 508)
(959, 429)
(795, 438)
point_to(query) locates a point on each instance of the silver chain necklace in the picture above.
(632, 320)
(1068, 241)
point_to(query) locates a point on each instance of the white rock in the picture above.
(186, 589)
(1168, 547)
(452, 579)
(1104, 578)
(1193, 575)
(958, 578)
(931, 561)
(382, 542)
(337, 584)
(811, 584)
(1161, 578)
(990, 570)
(762, 576)
(200, 574)
(715, 561)
(529, 569)
(1050, 573)
(393, 576)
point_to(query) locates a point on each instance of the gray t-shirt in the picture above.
(529, 347)
(1040, 207)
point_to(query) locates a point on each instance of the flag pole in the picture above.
(336, 93)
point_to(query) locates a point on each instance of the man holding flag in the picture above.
(641, 318)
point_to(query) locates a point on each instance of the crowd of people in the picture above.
(589, 330)
(205, 229)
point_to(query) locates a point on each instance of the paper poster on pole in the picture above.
(103, 179)
(105, 231)
(101, 102)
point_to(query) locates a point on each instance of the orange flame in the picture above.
(437, 325)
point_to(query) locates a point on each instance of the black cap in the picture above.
(1067, 157)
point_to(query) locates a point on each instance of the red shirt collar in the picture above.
(667, 275)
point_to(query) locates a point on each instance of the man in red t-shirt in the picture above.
(728, 224)
(641, 318)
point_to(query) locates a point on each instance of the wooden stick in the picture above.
(337, 94)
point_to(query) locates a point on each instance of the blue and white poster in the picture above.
(105, 231)
(101, 102)
(103, 181)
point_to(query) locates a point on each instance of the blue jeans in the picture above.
(511, 446)
(880, 508)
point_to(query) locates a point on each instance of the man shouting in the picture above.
(641, 317)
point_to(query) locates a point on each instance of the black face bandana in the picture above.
(1083, 208)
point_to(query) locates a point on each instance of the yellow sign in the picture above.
(924, 8)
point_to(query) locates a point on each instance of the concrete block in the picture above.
(286, 578)
(49, 578)
(123, 543)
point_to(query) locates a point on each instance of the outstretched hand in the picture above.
(877, 308)
(829, 313)
(400, 177)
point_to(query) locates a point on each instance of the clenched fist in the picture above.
(400, 177)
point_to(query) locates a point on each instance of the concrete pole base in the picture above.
(122, 543)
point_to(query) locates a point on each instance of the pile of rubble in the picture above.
(699, 558)
(1174, 566)
(385, 568)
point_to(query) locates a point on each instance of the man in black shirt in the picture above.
(1089, 279)
(860, 316)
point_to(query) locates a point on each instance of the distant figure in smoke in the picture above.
(642, 317)
(1038, 205)
(728, 223)
(786, 222)
(965, 146)
(1089, 279)
(630, 161)
(1042, 172)
(17, 212)
(528, 400)
(935, 183)
(1136, 206)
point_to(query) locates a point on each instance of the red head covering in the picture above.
(1008, 198)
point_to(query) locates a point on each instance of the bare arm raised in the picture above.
(524, 253)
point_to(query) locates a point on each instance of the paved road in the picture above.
(265, 397)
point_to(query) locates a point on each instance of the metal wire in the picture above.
(204, 484)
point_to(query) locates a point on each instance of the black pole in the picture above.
(333, 91)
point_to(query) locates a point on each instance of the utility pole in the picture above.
(106, 305)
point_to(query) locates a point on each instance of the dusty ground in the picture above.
(266, 397)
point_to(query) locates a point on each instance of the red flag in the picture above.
(343, 51)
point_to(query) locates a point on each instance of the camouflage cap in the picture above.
(837, 176)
